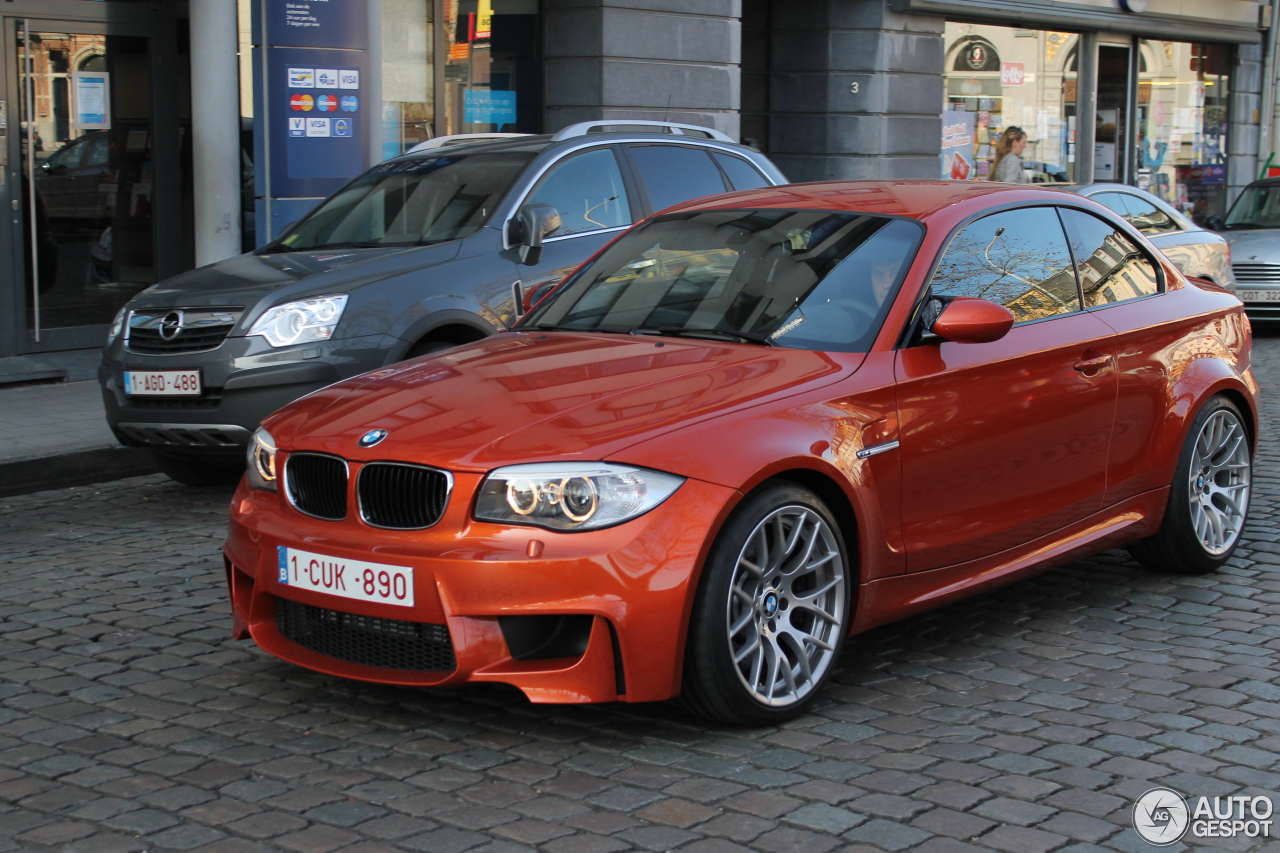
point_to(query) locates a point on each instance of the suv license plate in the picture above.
(162, 383)
(376, 582)
(1258, 295)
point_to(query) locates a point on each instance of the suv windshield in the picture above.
(1257, 207)
(410, 203)
(802, 279)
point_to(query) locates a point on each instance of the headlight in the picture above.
(262, 460)
(572, 495)
(117, 325)
(301, 322)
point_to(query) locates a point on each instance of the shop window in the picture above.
(1004, 76)
(1017, 258)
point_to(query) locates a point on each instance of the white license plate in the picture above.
(376, 582)
(162, 383)
(1258, 295)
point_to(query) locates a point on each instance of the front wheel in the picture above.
(1209, 500)
(771, 613)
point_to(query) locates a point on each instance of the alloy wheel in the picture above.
(786, 607)
(1219, 482)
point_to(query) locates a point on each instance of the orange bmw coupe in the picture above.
(753, 426)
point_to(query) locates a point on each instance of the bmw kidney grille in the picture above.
(402, 496)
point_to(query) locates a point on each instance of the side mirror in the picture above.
(1214, 223)
(532, 223)
(966, 320)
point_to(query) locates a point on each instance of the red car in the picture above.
(750, 427)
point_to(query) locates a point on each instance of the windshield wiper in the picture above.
(712, 334)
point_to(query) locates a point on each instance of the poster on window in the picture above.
(957, 145)
(91, 99)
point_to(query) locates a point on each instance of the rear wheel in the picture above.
(1209, 500)
(771, 613)
(199, 472)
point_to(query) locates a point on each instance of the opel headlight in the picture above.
(117, 325)
(262, 460)
(301, 322)
(572, 495)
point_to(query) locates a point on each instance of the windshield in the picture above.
(1257, 207)
(410, 203)
(802, 279)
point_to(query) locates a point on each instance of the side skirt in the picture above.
(889, 599)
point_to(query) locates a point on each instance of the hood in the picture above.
(527, 397)
(244, 279)
(1262, 242)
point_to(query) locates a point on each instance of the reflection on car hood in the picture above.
(245, 279)
(526, 397)
(1257, 246)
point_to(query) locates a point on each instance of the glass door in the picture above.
(84, 138)
(1112, 144)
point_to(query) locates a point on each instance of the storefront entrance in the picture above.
(91, 152)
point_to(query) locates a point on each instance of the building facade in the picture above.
(114, 113)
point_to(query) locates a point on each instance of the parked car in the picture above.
(423, 252)
(1252, 228)
(1195, 251)
(752, 426)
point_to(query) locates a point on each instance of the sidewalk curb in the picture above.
(79, 468)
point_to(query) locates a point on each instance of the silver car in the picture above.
(1252, 227)
(1194, 250)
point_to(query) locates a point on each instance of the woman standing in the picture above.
(1008, 165)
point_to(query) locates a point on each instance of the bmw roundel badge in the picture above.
(372, 437)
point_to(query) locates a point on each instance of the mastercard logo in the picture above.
(326, 103)
(301, 102)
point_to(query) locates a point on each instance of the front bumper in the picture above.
(243, 379)
(635, 582)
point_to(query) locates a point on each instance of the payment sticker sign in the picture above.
(302, 103)
(326, 103)
(349, 78)
(302, 78)
(326, 78)
(297, 126)
(317, 127)
(349, 103)
(341, 126)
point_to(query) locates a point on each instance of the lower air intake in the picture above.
(366, 640)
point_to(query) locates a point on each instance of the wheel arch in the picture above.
(452, 325)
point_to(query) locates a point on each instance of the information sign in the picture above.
(486, 106)
(92, 99)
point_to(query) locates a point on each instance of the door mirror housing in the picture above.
(967, 320)
(531, 225)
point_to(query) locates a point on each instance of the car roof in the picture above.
(914, 199)
(538, 143)
(1265, 182)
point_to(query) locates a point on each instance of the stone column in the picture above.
(675, 60)
(215, 129)
(857, 91)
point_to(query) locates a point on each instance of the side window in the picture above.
(741, 174)
(1138, 212)
(70, 156)
(1112, 268)
(673, 173)
(100, 153)
(1017, 258)
(588, 192)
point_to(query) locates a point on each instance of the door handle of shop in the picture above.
(1090, 366)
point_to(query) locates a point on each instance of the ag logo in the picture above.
(1161, 816)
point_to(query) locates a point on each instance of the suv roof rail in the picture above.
(460, 139)
(582, 128)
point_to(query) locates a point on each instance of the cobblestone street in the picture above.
(1026, 720)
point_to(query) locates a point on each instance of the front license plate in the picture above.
(1258, 295)
(162, 383)
(376, 582)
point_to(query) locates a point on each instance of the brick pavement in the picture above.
(1025, 720)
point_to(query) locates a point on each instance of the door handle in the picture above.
(1090, 366)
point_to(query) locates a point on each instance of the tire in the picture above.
(758, 653)
(1209, 499)
(199, 472)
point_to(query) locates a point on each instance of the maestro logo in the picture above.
(1161, 816)
(326, 103)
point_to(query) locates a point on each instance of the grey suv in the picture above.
(423, 252)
